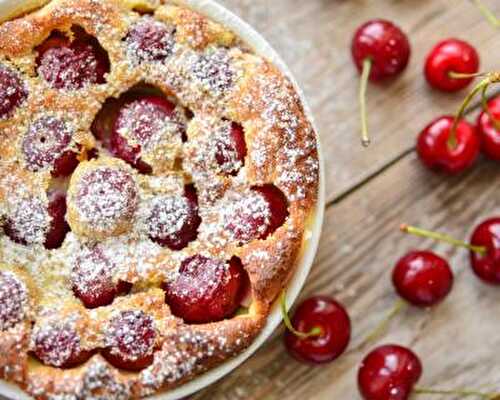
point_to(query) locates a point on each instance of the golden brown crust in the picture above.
(281, 148)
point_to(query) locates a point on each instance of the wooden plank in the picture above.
(314, 39)
(360, 244)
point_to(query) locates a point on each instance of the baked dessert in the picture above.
(156, 182)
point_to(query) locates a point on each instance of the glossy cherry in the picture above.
(439, 152)
(489, 130)
(448, 57)
(486, 264)
(389, 372)
(319, 331)
(422, 278)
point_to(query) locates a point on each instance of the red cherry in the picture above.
(144, 120)
(12, 91)
(13, 300)
(422, 278)
(486, 265)
(389, 373)
(58, 226)
(436, 151)
(72, 65)
(206, 290)
(230, 149)
(131, 337)
(58, 345)
(451, 56)
(489, 130)
(173, 220)
(214, 71)
(333, 324)
(385, 44)
(150, 40)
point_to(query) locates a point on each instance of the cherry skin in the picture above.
(332, 320)
(206, 290)
(451, 55)
(389, 373)
(487, 266)
(385, 44)
(435, 151)
(489, 131)
(58, 225)
(422, 278)
(13, 300)
(12, 92)
(231, 150)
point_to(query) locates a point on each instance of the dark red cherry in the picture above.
(150, 40)
(487, 265)
(13, 300)
(46, 144)
(12, 91)
(213, 69)
(144, 121)
(92, 279)
(130, 338)
(230, 149)
(436, 151)
(385, 44)
(422, 278)
(206, 289)
(58, 226)
(71, 65)
(58, 345)
(334, 325)
(451, 55)
(489, 130)
(389, 373)
(173, 219)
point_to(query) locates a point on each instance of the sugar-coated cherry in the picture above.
(447, 57)
(46, 144)
(206, 289)
(13, 300)
(422, 278)
(12, 91)
(332, 322)
(71, 65)
(173, 220)
(230, 149)
(92, 278)
(438, 152)
(58, 345)
(489, 130)
(486, 265)
(130, 337)
(389, 373)
(150, 40)
(144, 121)
(385, 45)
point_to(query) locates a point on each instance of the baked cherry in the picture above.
(58, 226)
(71, 65)
(447, 61)
(47, 144)
(448, 147)
(389, 372)
(486, 263)
(319, 331)
(130, 339)
(380, 50)
(206, 289)
(12, 91)
(150, 40)
(256, 214)
(142, 124)
(92, 278)
(13, 300)
(230, 149)
(488, 126)
(422, 278)
(173, 220)
(213, 70)
(58, 345)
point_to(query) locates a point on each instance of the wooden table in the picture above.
(371, 191)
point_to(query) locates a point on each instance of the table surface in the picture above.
(371, 191)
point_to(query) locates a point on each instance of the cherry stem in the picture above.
(458, 392)
(365, 75)
(442, 238)
(315, 331)
(488, 14)
(484, 99)
(460, 75)
(398, 306)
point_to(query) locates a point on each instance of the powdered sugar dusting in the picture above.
(13, 300)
